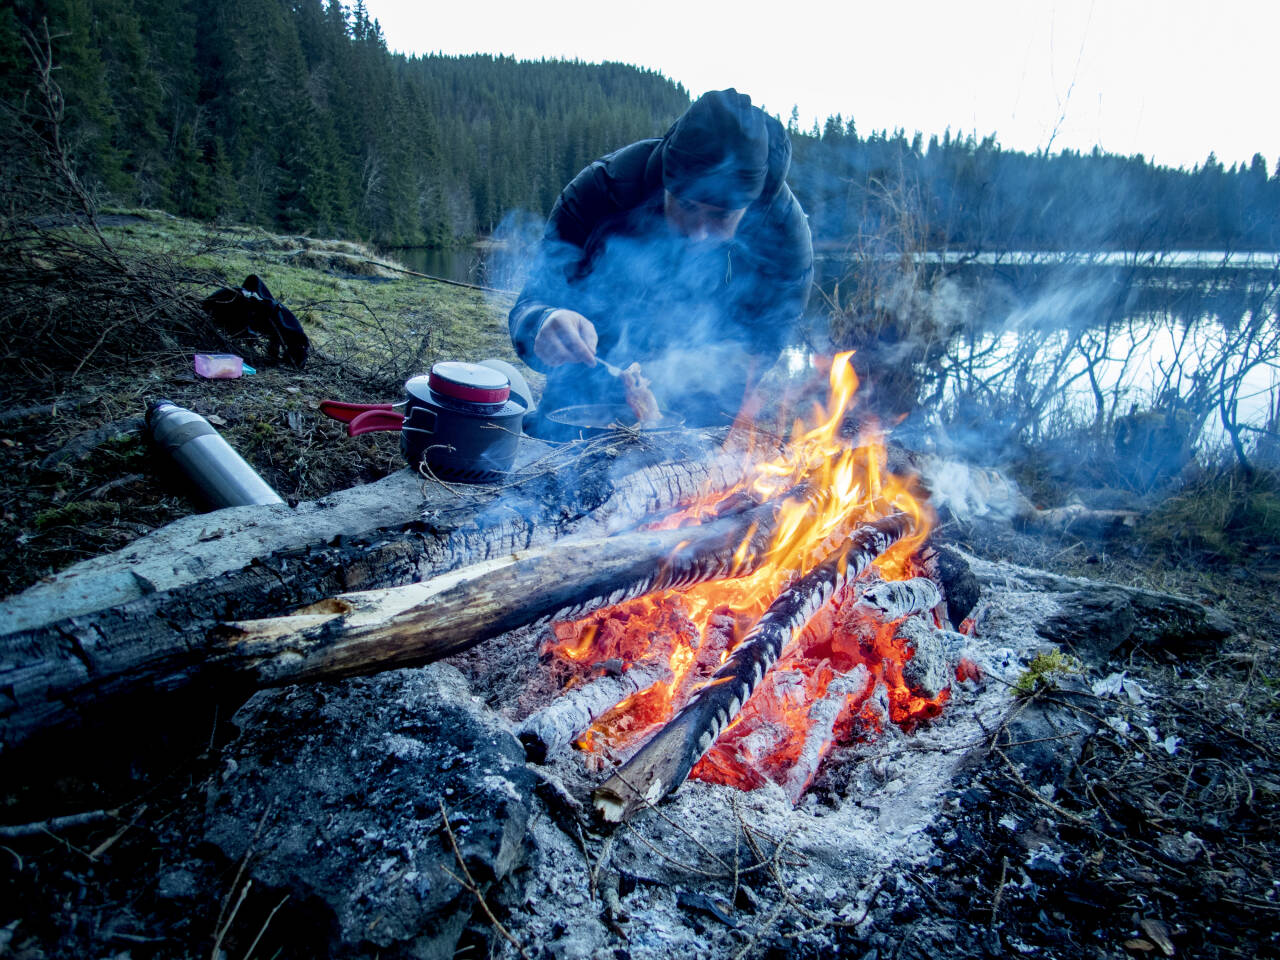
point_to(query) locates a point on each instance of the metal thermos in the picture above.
(221, 474)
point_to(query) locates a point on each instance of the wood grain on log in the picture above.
(124, 629)
(374, 630)
(664, 762)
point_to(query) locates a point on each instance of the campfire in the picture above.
(826, 634)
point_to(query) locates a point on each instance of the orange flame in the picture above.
(827, 485)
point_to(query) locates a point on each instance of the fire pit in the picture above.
(832, 632)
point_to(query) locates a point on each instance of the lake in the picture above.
(1105, 328)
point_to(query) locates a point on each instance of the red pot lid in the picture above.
(469, 381)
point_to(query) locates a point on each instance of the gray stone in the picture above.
(1091, 623)
(347, 781)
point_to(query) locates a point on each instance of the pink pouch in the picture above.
(218, 366)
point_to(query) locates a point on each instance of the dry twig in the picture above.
(469, 884)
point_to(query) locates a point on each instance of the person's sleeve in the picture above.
(781, 314)
(559, 259)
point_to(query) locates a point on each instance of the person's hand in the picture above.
(566, 337)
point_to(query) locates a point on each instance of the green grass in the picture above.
(371, 327)
(352, 302)
(1221, 515)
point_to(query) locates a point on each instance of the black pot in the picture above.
(460, 420)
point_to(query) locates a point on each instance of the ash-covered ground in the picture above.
(1122, 810)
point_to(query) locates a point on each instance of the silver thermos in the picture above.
(222, 475)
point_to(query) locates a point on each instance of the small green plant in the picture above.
(1046, 671)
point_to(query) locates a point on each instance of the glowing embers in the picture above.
(824, 490)
(651, 635)
(846, 675)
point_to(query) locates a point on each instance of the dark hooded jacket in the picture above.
(698, 317)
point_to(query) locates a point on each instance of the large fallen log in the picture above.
(664, 762)
(367, 631)
(117, 636)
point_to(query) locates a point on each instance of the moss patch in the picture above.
(1046, 672)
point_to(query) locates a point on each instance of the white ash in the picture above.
(928, 671)
(869, 820)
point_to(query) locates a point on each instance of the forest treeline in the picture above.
(294, 114)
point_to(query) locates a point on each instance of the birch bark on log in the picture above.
(895, 599)
(551, 729)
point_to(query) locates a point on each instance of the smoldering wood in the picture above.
(928, 671)
(134, 627)
(551, 729)
(973, 494)
(950, 570)
(895, 599)
(663, 763)
(822, 720)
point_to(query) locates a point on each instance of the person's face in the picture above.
(701, 221)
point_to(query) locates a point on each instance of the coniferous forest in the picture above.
(294, 114)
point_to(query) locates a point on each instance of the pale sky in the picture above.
(1171, 80)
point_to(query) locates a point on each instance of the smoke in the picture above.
(699, 316)
(511, 251)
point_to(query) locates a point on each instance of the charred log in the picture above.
(949, 568)
(358, 633)
(117, 637)
(665, 761)
(1095, 619)
(551, 729)
(368, 631)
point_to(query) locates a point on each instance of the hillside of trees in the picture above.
(296, 116)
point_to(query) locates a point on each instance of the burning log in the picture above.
(358, 633)
(665, 761)
(895, 599)
(822, 717)
(553, 728)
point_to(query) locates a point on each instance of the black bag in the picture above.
(251, 311)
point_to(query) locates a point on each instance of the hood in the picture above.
(775, 179)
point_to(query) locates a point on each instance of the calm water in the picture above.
(485, 266)
(489, 264)
(1160, 306)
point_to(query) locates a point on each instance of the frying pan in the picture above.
(595, 419)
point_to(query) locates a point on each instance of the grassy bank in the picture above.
(111, 323)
